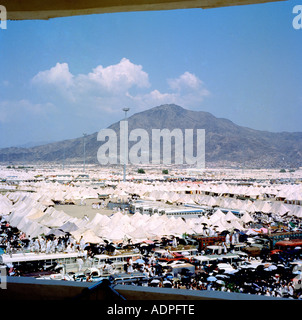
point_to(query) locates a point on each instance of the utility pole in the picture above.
(84, 162)
(125, 146)
(64, 158)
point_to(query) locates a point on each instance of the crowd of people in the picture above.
(261, 280)
(282, 289)
(13, 240)
(277, 282)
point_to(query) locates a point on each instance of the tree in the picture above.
(140, 171)
(165, 171)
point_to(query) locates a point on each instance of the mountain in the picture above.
(32, 144)
(226, 144)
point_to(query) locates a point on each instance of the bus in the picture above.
(32, 262)
(218, 258)
(275, 237)
(204, 241)
(115, 263)
(163, 255)
(186, 252)
(291, 247)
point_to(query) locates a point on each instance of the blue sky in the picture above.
(66, 76)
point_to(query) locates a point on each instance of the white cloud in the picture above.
(121, 84)
(114, 78)
(187, 91)
(186, 81)
(97, 87)
(152, 99)
(189, 87)
(117, 78)
(59, 75)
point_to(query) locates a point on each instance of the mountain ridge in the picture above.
(226, 142)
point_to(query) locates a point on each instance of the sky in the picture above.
(64, 77)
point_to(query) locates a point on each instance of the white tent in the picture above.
(267, 207)
(198, 229)
(91, 237)
(297, 212)
(69, 227)
(220, 225)
(230, 216)
(99, 219)
(139, 233)
(217, 215)
(280, 208)
(246, 218)
(36, 214)
(251, 208)
(5, 205)
(35, 229)
(236, 224)
(127, 228)
(212, 202)
(114, 233)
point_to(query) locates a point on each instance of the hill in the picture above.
(226, 143)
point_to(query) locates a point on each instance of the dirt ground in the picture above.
(79, 211)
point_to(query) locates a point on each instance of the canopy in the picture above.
(69, 227)
(56, 232)
(89, 236)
